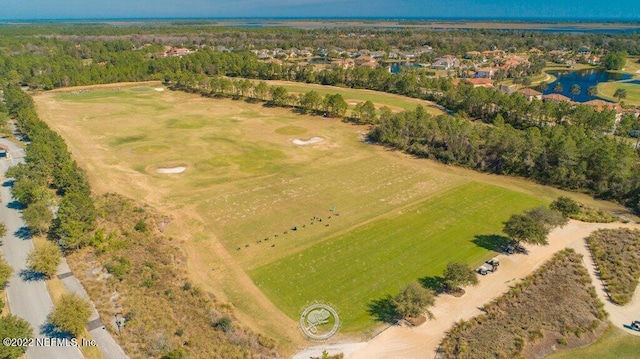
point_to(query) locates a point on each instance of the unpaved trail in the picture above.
(422, 341)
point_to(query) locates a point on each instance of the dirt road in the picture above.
(422, 341)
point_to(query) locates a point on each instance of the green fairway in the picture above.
(247, 182)
(353, 96)
(607, 89)
(377, 259)
(614, 344)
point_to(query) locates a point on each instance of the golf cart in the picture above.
(489, 266)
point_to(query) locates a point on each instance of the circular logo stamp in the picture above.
(319, 321)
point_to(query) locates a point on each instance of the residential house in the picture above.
(485, 72)
(556, 97)
(531, 94)
(447, 62)
(479, 82)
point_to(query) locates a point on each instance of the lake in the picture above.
(584, 79)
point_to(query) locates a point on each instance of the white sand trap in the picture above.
(171, 170)
(159, 89)
(310, 141)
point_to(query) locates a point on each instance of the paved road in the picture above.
(27, 299)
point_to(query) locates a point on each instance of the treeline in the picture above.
(48, 178)
(565, 156)
(455, 42)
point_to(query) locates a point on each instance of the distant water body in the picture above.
(568, 25)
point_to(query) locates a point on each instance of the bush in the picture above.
(459, 274)
(45, 259)
(413, 300)
(565, 205)
(70, 315)
(5, 272)
(38, 217)
(616, 251)
(225, 324)
(12, 326)
(3, 229)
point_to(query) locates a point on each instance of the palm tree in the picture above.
(592, 91)
(543, 86)
(558, 87)
(620, 93)
(575, 90)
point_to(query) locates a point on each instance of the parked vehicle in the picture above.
(489, 266)
(635, 325)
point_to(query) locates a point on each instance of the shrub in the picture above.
(44, 259)
(5, 272)
(70, 314)
(565, 205)
(413, 300)
(12, 326)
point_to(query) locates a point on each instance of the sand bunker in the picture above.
(171, 170)
(310, 141)
(159, 89)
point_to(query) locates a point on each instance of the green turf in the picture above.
(352, 96)
(377, 259)
(614, 344)
(607, 89)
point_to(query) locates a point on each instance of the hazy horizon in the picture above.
(550, 10)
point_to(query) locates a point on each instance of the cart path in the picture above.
(422, 341)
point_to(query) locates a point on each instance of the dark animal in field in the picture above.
(237, 249)
(246, 245)
(273, 245)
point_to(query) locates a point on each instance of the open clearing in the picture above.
(614, 344)
(399, 219)
(354, 96)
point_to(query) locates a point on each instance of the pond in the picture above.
(584, 79)
(396, 67)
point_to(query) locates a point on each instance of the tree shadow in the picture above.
(28, 275)
(49, 330)
(23, 233)
(492, 242)
(8, 183)
(435, 283)
(383, 310)
(15, 205)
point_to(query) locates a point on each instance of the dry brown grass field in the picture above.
(246, 181)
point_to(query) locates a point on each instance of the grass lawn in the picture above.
(607, 89)
(377, 259)
(353, 96)
(246, 181)
(614, 344)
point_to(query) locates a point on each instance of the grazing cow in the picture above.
(260, 241)
(320, 220)
(294, 228)
(326, 225)
(304, 225)
(237, 249)
(329, 217)
(266, 239)
(275, 235)
(246, 245)
(285, 232)
(273, 245)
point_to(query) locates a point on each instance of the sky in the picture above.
(497, 9)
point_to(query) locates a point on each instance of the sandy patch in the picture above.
(171, 170)
(310, 141)
(159, 89)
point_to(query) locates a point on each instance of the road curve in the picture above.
(28, 299)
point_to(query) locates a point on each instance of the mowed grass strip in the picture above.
(353, 96)
(607, 89)
(614, 344)
(377, 259)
